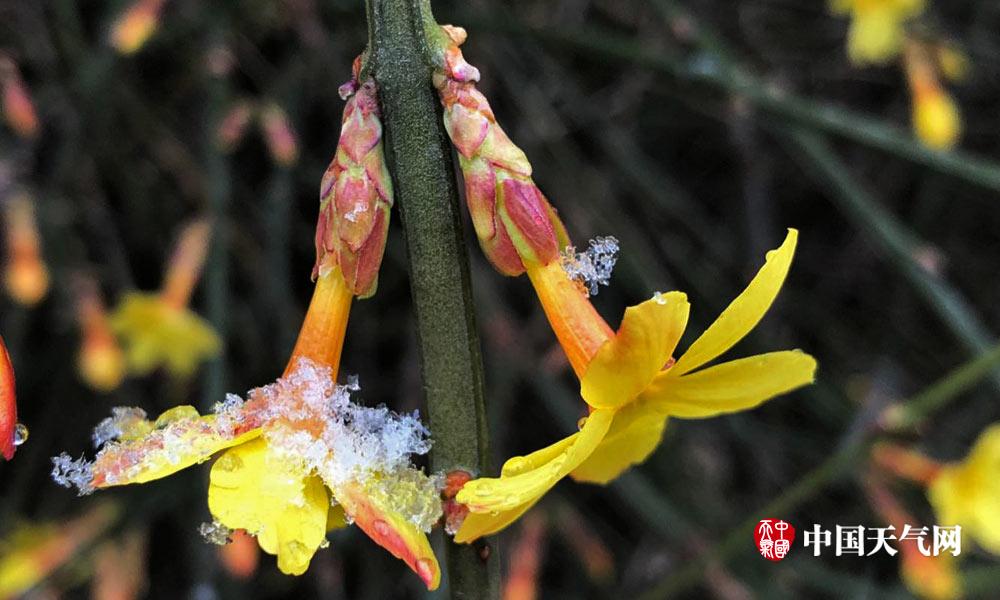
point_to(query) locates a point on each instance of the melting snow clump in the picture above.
(215, 533)
(305, 418)
(592, 267)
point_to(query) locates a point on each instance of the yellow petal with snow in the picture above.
(389, 529)
(274, 499)
(179, 438)
(732, 386)
(509, 496)
(968, 493)
(626, 363)
(744, 312)
(635, 432)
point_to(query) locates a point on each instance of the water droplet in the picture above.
(324, 544)
(510, 501)
(20, 434)
(659, 298)
(382, 528)
(515, 465)
(229, 463)
(581, 422)
(425, 569)
(484, 489)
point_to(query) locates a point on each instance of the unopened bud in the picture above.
(513, 220)
(279, 135)
(234, 125)
(25, 273)
(18, 109)
(135, 26)
(355, 197)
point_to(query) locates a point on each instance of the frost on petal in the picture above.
(70, 473)
(133, 449)
(125, 422)
(312, 419)
(592, 267)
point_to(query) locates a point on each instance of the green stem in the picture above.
(420, 160)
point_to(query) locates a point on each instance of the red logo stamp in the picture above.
(774, 538)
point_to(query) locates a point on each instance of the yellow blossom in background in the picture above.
(29, 554)
(136, 25)
(158, 329)
(936, 118)
(632, 385)
(877, 27)
(968, 493)
(26, 276)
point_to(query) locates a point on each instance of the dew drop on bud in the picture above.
(20, 434)
(381, 527)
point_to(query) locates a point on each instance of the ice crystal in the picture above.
(122, 419)
(215, 533)
(69, 473)
(592, 267)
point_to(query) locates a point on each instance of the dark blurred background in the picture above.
(695, 152)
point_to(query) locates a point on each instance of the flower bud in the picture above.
(18, 109)
(25, 274)
(355, 196)
(513, 220)
(136, 25)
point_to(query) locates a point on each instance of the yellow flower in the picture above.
(877, 27)
(288, 451)
(968, 493)
(631, 384)
(936, 118)
(157, 329)
(157, 334)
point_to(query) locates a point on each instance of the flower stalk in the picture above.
(420, 160)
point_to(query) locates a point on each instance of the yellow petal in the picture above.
(732, 386)
(508, 497)
(744, 312)
(874, 37)
(178, 438)
(272, 498)
(477, 525)
(626, 363)
(634, 434)
(968, 493)
(394, 532)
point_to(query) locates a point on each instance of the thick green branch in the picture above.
(420, 161)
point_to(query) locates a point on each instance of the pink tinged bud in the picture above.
(18, 109)
(234, 125)
(279, 135)
(467, 128)
(355, 202)
(481, 198)
(526, 213)
(355, 197)
(360, 268)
